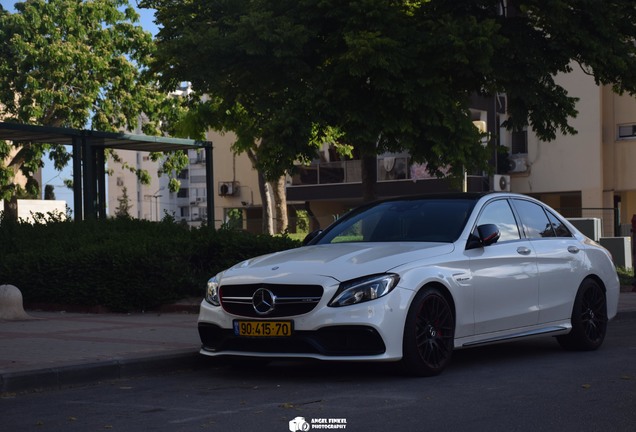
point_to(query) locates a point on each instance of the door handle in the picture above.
(573, 249)
(522, 250)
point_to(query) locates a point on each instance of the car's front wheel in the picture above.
(429, 334)
(589, 318)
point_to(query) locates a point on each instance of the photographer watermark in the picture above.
(301, 424)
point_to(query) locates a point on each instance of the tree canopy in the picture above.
(394, 75)
(74, 64)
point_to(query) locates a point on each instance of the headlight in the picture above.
(212, 291)
(364, 289)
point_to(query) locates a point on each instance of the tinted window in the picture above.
(535, 222)
(559, 227)
(499, 213)
(426, 220)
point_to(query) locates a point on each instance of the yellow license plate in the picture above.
(263, 328)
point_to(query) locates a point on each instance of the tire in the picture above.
(429, 334)
(589, 319)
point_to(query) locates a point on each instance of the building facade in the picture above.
(589, 174)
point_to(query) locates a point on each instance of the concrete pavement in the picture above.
(58, 349)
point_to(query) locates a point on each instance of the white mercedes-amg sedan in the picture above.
(411, 279)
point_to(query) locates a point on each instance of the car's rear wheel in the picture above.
(429, 334)
(589, 318)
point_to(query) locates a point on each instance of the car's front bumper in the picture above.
(368, 331)
(330, 341)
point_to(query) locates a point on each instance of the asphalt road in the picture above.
(521, 386)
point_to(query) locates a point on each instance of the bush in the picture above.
(121, 264)
(626, 276)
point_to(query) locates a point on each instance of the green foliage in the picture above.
(49, 192)
(234, 220)
(75, 64)
(390, 75)
(626, 276)
(122, 264)
(123, 206)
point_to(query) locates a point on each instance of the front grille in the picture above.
(290, 300)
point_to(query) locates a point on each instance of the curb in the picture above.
(117, 368)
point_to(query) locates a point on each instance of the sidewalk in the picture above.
(57, 349)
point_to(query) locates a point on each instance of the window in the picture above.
(535, 222)
(557, 225)
(519, 142)
(499, 213)
(626, 131)
(425, 220)
(183, 193)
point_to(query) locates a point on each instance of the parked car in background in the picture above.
(411, 279)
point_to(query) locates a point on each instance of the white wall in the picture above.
(571, 163)
(28, 207)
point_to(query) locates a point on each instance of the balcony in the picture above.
(389, 169)
(342, 180)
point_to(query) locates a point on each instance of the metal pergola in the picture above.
(89, 162)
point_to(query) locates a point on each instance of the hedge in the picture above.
(121, 264)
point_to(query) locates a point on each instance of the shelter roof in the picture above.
(116, 140)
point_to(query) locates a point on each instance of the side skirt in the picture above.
(544, 331)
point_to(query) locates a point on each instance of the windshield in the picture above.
(414, 220)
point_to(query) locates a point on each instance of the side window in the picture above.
(499, 213)
(535, 222)
(559, 227)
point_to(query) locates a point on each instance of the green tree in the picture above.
(49, 192)
(75, 64)
(393, 75)
(123, 205)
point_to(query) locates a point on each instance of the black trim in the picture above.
(354, 340)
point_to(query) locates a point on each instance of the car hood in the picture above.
(341, 261)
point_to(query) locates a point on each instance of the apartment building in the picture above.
(589, 174)
(235, 195)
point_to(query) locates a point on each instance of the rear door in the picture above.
(560, 261)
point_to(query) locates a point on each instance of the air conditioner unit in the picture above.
(500, 183)
(226, 188)
(199, 199)
(518, 163)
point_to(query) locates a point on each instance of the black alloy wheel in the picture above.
(589, 318)
(429, 334)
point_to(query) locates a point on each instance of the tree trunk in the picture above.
(266, 200)
(267, 226)
(11, 209)
(11, 170)
(280, 204)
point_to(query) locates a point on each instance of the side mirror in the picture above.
(309, 237)
(487, 235)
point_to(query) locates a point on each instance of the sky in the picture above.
(49, 174)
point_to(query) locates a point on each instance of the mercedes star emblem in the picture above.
(263, 301)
